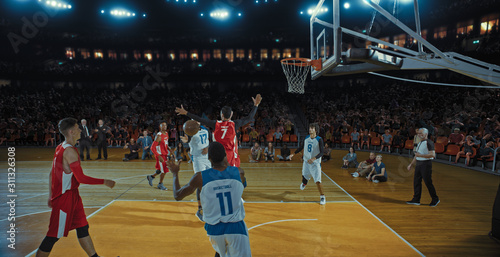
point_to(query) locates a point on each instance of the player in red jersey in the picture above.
(161, 152)
(64, 197)
(225, 129)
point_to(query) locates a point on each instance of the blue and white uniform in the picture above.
(199, 142)
(313, 147)
(223, 211)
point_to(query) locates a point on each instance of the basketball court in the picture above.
(360, 218)
(134, 219)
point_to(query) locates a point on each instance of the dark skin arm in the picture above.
(242, 175)
(181, 192)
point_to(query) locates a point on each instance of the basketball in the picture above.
(191, 127)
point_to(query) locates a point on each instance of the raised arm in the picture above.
(242, 122)
(181, 192)
(206, 122)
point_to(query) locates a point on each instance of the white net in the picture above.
(296, 71)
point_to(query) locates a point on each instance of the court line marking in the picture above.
(404, 240)
(89, 207)
(276, 221)
(84, 185)
(100, 209)
(189, 201)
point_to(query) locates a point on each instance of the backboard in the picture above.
(381, 55)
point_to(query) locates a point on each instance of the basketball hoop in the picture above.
(296, 70)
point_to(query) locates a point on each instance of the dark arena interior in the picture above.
(132, 66)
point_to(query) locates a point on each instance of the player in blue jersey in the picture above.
(313, 151)
(198, 145)
(221, 190)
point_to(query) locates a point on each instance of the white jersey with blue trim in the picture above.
(311, 148)
(221, 196)
(199, 142)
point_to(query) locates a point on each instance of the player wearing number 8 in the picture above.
(221, 190)
(313, 151)
(225, 129)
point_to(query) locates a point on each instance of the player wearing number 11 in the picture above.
(225, 129)
(221, 190)
(313, 151)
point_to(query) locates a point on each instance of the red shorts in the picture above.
(67, 214)
(162, 166)
(232, 158)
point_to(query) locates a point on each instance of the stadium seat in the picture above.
(246, 139)
(452, 150)
(375, 141)
(492, 158)
(286, 138)
(439, 148)
(442, 140)
(345, 140)
(269, 137)
(409, 145)
(293, 139)
(474, 151)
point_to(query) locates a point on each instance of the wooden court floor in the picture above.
(359, 219)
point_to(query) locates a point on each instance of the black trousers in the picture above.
(103, 145)
(423, 170)
(84, 144)
(132, 156)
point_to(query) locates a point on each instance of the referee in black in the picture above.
(424, 154)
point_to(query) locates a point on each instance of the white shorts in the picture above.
(231, 245)
(312, 170)
(201, 164)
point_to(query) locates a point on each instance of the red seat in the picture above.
(269, 137)
(438, 148)
(409, 145)
(473, 153)
(375, 141)
(345, 140)
(293, 138)
(452, 150)
(285, 138)
(442, 140)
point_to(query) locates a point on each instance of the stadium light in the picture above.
(321, 10)
(347, 5)
(121, 13)
(56, 4)
(219, 14)
(239, 14)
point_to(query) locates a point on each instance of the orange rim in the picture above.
(302, 62)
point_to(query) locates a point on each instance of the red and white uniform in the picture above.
(225, 133)
(67, 208)
(161, 149)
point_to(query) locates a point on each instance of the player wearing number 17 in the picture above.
(313, 151)
(221, 190)
(225, 129)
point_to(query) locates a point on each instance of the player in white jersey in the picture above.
(198, 145)
(221, 190)
(313, 151)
